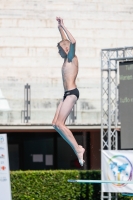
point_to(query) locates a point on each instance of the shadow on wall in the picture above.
(86, 106)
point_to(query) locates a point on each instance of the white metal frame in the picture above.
(109, 99)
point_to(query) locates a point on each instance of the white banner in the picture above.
(117, 165)
(5, 188)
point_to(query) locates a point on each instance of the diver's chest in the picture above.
(67, 68)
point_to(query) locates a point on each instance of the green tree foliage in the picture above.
(53, 185)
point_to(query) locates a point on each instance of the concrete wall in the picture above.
(28, 52)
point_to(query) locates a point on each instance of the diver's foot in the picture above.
(80, 155)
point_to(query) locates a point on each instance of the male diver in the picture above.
(66, 49)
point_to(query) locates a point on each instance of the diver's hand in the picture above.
(60, 21)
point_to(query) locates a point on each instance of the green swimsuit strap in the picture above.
(71, 53)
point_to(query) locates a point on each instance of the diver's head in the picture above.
(64, 47)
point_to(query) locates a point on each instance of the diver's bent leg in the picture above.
(57, 113)
(64, 131)
(67, 135)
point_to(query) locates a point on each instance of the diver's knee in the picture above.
(53, 124)
(59, 124)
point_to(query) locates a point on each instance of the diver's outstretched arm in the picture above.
(69, 35)
(63, 35)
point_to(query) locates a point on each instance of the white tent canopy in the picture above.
(4, 105)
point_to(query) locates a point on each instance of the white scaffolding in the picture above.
(109, 99)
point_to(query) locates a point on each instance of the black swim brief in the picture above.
(70, 92)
